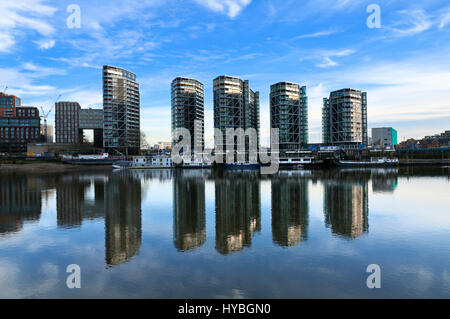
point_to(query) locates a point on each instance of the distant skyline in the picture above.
(404, 66)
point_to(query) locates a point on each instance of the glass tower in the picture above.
(344, 118)
(121, 108)
(289, 114)
(235, 106)
(187, 108)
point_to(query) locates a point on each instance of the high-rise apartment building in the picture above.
(344, 118)
(235, 106)
(289, 114)
(67, 122)
(188, 110)
(121, 111)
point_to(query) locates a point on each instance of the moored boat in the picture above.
(94, 159)
(374, 162)
(144, 162)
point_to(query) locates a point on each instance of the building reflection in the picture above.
(238, 211)
(346, 203)
(72, 206)
(384, 180)
(20, 201)
(189, 226)
(123, 224)
(290, 209)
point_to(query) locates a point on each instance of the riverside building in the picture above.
(187, 97)
(121, 111)
(344, 119)
(235, 106)
(289, 114)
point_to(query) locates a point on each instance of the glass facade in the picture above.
(16, 132)
(187, 97)
(289, 114)
(8, 105)
(67, 122)
(121, 111)
(344, 118)
(235, 106)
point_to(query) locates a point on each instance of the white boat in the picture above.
(292, 161)
(145, 162)
(374, 162)
(195, 163)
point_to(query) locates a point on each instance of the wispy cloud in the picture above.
(327, 55)
(412, 22)
(315, 35)
(23, 15)
(24, 80)
(6, 41)
(444, 20)
(232, 8)
(45, 44)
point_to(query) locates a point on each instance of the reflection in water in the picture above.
(105, 207)
(116, 197)
(123, 225)
(289, 210)
(69, 198)
(384, 181)
(20, 200)
(71, 204)
(346, 203)
(238, 211)
(189, 227)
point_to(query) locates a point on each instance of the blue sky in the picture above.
(326, 45)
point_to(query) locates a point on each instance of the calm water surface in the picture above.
(198, 234)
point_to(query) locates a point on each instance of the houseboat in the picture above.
(95, 159)
(144, 162)
(374, 162)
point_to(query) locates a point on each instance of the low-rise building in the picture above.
(433, 141)
(19, 130)
(384, 137)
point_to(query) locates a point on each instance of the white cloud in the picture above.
(315, 35)
(445, 19)
(411, 23)
(45, 44)
(230, 7)
(23, 14)
(327, 62)
(22, 80)
(6, 42)
(327, 55)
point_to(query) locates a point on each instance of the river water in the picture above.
(203, 234)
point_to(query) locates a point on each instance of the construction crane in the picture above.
(4, 91)
(45, 117)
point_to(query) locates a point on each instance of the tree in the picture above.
(144, 142)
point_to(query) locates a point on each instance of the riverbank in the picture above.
(48, 168)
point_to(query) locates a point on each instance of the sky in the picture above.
(326, 45)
